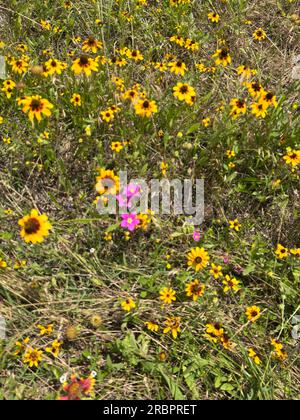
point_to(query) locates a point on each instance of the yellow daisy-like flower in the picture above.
(128, 305)
(214, 17)
(19, 66)
(167, 295)
(230, 284)
(53, 66)
(195, 290)
(172, 325)
(3, 264)
(216, 271)
(295, 252)
(253, 355)
(36, 107)
(292, 157)
(145, 108)
(91, 45)
(47, 330)
(185, 92)
(152, 326)
(253, 313)
(84, 64)
(222, 57)
(107, 182)
(35, 227)
(281, 252)
(178, 68)
(260, 109)
(55, 348)
(76, 99)
(259, 34)
(198, 258)
(33, 357)
(235, 225)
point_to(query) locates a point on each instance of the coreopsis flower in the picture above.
(195, 290)
(167, 295)
(253, 313)
(33, 357)
(117, 146)
(198, 258)
(178, 68)
(76, 99)
(84, 64)
(45, 330)
(222, 57)
(259, 34)
(253, 355)
(185, 92)
(145, 108)
(21, 346)
(172, 325)
(77, 388)
(107, 182)
(55, 348)
(230, 283)
(152, 326)
(281, 252)
(35, 227)
(216, 271)
(230, 154)
(128, 305)
(91, 45)
(53, 66)
(235, 225)
(36, 107)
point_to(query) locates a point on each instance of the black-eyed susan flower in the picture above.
(295, 252)
(185, 92)
(172, 325)
(216, 271)
(255, 89)
(36, 107)
(84, 64)
(238, 107)
(253, 313)
(198, 258)
(222, 57)
(76, 99)
(33, 357)
(117, 146)
(259, 34)
(214, 17)
(259, 109)
(35, 227)
(281, 252)
(167, 295)
(145, 108)
(235, 225)
(230, 284)
(244, 71)
(269, 98)
(128, 304)
(195, 290)
(53, 66)
(292, 157)
(19, 65)
(178, 67)
(91, 45)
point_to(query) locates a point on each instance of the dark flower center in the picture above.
(32, 226)
(35, 105)
(184, 89)
(84, 60)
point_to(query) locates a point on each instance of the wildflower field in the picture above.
(141, 305)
